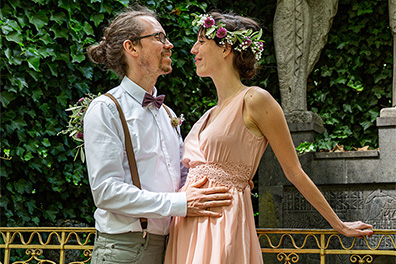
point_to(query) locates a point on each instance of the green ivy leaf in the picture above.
(20, 186)
(13, 24)
(17, 124)
(87, 71)
(28, 156)
(38, 19)
(50, 215)
(6, 97)
(59, 18)
(88, 29)
(5, 11)
(37, 94)
(34, 63)
(60, 32)
(97, 18)
(53, 68)
(16, 37)
(46, 142)
(66, 5)
(366, 124)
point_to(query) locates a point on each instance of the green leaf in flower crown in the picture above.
(210, 31)
(260, 34)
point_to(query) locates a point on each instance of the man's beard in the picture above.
(163, 67)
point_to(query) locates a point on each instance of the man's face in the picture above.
(154, 57)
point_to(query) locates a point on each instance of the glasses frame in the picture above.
(162, 37)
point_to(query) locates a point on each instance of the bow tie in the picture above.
(157, 101)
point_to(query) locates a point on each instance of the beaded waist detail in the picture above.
(229, 174)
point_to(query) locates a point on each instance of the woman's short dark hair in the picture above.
(245, 61)
(109, 52)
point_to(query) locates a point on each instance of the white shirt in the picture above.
(158, 151)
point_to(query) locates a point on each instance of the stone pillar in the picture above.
(392, 23)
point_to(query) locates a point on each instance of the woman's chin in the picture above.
(201, 74)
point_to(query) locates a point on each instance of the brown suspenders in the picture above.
(131, 154)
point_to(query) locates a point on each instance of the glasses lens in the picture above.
(162, 37)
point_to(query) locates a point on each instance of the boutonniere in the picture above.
(177, 121)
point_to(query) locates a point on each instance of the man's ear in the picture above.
(130, 48)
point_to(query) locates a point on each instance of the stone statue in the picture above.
(301, 28)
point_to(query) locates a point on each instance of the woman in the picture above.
(226, 146)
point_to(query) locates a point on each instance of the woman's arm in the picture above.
(263, 115)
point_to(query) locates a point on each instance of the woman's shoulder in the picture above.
(257, 96)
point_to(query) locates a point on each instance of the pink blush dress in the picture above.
(228, 154)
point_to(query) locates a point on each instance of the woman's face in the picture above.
(208, 55)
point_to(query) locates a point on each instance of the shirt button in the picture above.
(155, 115)
(168, 164)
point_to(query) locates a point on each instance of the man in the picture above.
(135, 46)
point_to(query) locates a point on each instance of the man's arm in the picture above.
(110, 185)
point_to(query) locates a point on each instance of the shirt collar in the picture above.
(135, 90)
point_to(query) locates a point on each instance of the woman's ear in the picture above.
(130, 48)
(226, 50)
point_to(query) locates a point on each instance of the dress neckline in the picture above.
(205, 124)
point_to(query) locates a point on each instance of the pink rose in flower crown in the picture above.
(221, 32)
(247, 42)
(209, 22)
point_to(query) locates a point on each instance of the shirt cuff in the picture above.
(179, 203)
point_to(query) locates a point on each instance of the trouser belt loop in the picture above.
(143, 224)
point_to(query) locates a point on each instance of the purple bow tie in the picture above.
(157, 101)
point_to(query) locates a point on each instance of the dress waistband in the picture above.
(229, 174)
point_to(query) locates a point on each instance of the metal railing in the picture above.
(290, 244)
(287, 244)
(37, 239)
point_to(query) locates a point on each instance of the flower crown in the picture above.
(246, 38)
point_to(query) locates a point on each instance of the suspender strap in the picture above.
(130, 153)
(167, 110)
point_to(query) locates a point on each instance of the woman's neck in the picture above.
(227, 88)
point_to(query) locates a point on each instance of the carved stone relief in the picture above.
(373, 206)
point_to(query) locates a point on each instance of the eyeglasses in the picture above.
(159, 35)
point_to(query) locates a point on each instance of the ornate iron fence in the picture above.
(289, 244)
(34, 245)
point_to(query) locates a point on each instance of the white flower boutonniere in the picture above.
(177, 121)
